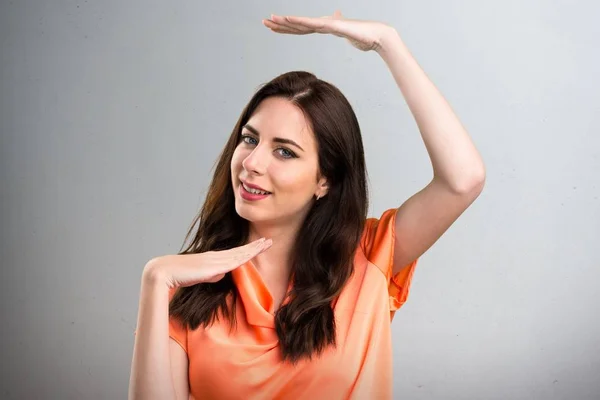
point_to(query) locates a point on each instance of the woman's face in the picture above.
(277, 152)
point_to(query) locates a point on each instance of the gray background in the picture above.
(113, 113)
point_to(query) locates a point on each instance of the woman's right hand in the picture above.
(189, 269)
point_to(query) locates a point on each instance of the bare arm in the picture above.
(458, 169)
(159, 369)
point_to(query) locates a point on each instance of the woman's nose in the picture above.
(256, 161)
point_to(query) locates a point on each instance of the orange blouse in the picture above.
(246, 363)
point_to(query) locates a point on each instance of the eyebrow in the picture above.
(276, 140)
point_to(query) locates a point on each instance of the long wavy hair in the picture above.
(323, 254)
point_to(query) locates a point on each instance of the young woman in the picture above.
(287, 289)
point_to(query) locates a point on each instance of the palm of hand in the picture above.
(364, 35)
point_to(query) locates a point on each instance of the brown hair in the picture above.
(322, 259)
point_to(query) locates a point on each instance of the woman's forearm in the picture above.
(151, 367)
(453, 155)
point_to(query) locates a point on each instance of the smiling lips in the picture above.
(251, 193)
(254, 188)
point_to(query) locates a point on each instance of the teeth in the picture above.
(253, 190)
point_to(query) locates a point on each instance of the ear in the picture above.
(322, 187)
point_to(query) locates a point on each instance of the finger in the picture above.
(232, 259)
(286, 23)
(251, 248)
(288, 31)
(263, 246)
(240, 260)
(239, 252)
(320, 25)
(283, 28)
(247, 256)
(258, 241)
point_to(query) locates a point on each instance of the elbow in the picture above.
(473, 185)
(470, 184)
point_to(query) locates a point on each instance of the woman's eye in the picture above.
(248, 139)
(285, 153)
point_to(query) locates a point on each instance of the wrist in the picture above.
(389, 39)
(154, 274)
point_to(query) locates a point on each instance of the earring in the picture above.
(318, 197)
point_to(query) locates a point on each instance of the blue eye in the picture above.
(285, 153)
(289, 153)
(244, 137)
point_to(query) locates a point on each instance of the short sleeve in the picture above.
(176, 330)
(378, 245)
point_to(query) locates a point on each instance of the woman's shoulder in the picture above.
(378, 233)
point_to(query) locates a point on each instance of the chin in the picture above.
(250, 212)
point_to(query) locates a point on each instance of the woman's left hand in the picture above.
(364, 35)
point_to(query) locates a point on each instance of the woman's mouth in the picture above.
(252, 194)
(254, 191)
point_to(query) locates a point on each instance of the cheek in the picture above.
(294, 179)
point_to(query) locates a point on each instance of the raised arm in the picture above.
(458, 170)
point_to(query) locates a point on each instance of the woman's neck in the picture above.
(274, 265)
